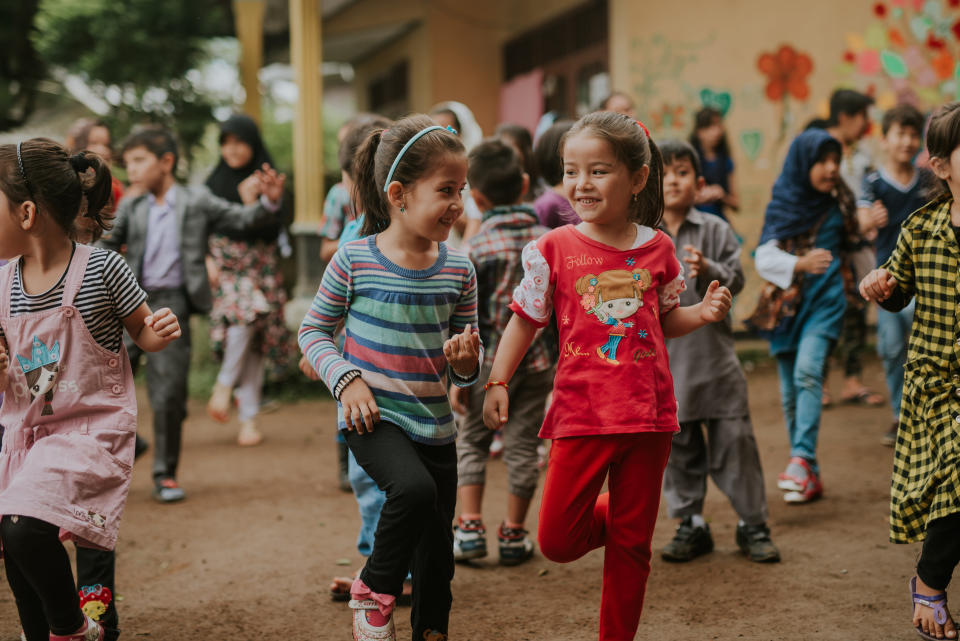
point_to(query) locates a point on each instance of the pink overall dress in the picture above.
(70, 414)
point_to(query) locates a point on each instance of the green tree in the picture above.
(20, 68)
(137, 55)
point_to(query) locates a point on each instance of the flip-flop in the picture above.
(936, 603)
(340, 591)
(864, 397)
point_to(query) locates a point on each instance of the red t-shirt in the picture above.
(613, 376)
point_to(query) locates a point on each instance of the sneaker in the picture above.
(794, 477)
(369, 624)
(889, 437)
(515, 546)
(688, 543)
(469, 540)
(754, 541)
(168, 491)
(807, 483)
(92, 631)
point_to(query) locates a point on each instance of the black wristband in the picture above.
(345, 380)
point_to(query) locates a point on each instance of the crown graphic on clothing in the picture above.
(41, 356)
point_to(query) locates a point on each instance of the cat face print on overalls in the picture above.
(611, 297)
(41, 371)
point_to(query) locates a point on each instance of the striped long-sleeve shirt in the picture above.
(395, 323)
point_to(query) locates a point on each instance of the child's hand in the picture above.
(307, 369)
(4, 363)
(249, 189)
(359, 407)
(877, 285)
(878, 214)
(463, 352)
(271, 183)
(815, 261)
(460, 399)
(695, 261)
(495, 407)
(164, 324)
(716, 303)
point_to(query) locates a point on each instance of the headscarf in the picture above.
(795, 206)
(224, 180)
(470, 131)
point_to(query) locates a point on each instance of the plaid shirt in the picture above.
(495, 251)
(926, 475)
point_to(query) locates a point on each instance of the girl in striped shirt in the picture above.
(409, 306)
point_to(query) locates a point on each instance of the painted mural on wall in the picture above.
(786, 71)
(907, 52)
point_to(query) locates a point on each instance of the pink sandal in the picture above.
(92, 631)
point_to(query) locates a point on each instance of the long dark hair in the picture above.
(57, 182)
(520, 136)
(634, 148)
(943, 136)
(378, 153)
(703, 119)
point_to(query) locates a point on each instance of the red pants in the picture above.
(575, 518)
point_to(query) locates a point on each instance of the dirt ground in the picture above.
(250, 553)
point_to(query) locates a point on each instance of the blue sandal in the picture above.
(936, 603)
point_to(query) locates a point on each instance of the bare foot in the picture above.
(923, 616)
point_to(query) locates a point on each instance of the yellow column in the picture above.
(306, 56)
(248, 22)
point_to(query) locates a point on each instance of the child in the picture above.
(809, 230)
(166, 232)
(709, 383)
(498, 183)
(70, 407)
(552, 207)
(405, 299)
(710, 140)
(518, 137)
(888, 197)
(925, 493)
(613, 282)
(247, 331)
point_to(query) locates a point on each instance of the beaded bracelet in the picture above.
(493, 383)
(345, 380)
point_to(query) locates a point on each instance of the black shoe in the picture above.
(688, 543)
(754, 541)
(342, 469)
(167, 490)
(140, 447)
(890, 436)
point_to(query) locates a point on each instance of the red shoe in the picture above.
(810, 488)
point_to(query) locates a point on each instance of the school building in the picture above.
(768, 65)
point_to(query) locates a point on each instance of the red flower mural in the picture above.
(786, 70)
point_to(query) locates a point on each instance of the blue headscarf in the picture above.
(795, 205)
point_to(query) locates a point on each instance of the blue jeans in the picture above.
(893, 331)
(370, 500)
(801, 391)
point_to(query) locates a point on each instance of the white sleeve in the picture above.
(533, 294)
(669, 293)
(775, 265)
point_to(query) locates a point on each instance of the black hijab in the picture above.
(223, 180)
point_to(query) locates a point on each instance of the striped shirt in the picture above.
(396, 321)
(108, 294)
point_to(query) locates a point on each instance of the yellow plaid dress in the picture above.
(925, 476)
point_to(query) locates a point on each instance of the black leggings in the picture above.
(98, 567)
(38, 570)
(415, 529)
(941, 552)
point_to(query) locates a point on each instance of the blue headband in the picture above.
(414, 138)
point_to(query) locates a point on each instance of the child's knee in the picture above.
(415, 495)
(556, 545)
(21, 534)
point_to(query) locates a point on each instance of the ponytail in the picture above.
(649, 209)
(368, 197)
(96, 185)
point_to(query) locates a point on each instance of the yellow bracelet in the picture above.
(493, 383)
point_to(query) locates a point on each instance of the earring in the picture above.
(636, 198)
(402, 210)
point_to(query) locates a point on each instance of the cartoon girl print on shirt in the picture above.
(41, 371)
(612, 296)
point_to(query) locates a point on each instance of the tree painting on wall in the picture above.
(786, 71)
(907, 53)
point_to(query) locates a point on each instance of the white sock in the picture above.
(698, 520)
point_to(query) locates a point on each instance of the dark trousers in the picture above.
(39, 574)
(98, 568)
(167, 372)
(415, 529)
(941, 552)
